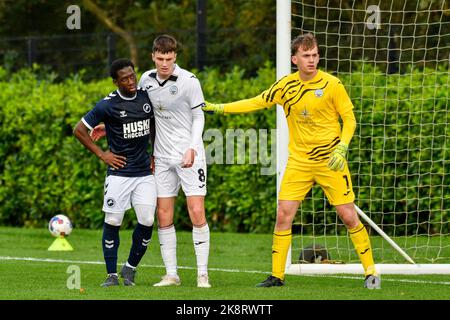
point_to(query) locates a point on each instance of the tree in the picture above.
(240, 32)
(127, 36)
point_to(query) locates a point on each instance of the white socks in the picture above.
(168, 244)
(200, 237)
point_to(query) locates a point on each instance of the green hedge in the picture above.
(399, 157)
(45, 170)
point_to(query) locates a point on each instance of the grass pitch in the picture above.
(237, 262)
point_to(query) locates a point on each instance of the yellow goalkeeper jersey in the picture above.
(312, 110)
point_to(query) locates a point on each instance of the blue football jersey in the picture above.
(129, 124)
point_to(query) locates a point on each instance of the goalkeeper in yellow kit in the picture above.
(313, 101)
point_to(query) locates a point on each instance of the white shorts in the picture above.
(123, 192)
(170, 176)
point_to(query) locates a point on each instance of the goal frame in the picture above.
(283, 67)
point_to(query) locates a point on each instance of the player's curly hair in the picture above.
(165, 43)
(119, 64)
(306, 41)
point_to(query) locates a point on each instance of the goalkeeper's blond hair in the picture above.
(306, 41)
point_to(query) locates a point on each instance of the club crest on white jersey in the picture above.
(173, 90)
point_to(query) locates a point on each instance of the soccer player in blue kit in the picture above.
(129, 122)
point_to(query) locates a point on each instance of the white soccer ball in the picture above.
(60, 226)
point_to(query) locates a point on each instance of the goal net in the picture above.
(393, 58)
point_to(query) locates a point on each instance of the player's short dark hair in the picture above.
(306, 41)
(119, 64)
(165, 43)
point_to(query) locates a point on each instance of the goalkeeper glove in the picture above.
(212, 108)
(337, 157)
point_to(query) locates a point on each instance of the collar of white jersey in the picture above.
(172, 77)
(176, 70)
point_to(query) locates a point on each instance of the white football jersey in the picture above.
(176, 102)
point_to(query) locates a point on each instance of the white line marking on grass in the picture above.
(382, 279)
(216, 269)
(49, 260)
(101, 262)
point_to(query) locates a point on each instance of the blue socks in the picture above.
(141, 239)
(111, 241)
(110, 244)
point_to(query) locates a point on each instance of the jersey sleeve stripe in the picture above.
(271, 88)
(272, 96)
(200, 105)
(87, 124)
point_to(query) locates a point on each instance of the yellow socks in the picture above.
(361, 241)
(282, 242)
(280, 247)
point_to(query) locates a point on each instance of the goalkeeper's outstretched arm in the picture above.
(241, 106)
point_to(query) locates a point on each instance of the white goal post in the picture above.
(397, 69)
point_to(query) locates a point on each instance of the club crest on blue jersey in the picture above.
(173, 90)
(318, 93)
(146, 108)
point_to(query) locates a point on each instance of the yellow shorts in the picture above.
(299, 178)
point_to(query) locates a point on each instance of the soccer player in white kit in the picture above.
(177, 99)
